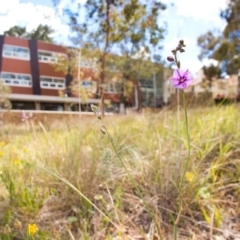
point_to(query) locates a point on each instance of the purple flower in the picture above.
(181, 79)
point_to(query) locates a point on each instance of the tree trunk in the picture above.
(139, 96)
(101, 89)
(102, 75)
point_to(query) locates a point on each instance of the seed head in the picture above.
(94, 108)
(103, 130)
(17, 224)
(7, 229)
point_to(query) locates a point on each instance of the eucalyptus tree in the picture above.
(223, 46)
(42, 32)
(121, 27)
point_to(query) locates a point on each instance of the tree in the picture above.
(211, 71)
(42, 32)
(224, 47)
(116, 26)
(69, 64)
(134, 69)
(16, 31)
(4, 91)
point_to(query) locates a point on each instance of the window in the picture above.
(112, 88)
(89, 86)
(146, 83)
(12, 51)
(86, 63)
(86, 84)
(51, 82)
(16, 79)
(113, 68)
(49, 57)
(46, 57)
(222, 85)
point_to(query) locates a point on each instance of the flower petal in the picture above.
(175, 74)
(178, 77)
(185, 74)
(174, 80)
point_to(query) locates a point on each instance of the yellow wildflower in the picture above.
(3, 143)
(189, 176)
(32, 229)
(25, 150)
(1, 154)
(16, 161)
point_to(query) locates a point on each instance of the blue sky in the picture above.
(187, 19)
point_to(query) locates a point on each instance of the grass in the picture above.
(65, 177)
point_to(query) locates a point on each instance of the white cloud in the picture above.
(205, 10)
(72, 5)
(12, 13)
(207, 62)
(192, 65)
(207, 13)
(7, 6)
(30, 15)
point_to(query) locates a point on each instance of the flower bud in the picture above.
(170, 59)
(181, 42)
(174, 51)
(182, 50)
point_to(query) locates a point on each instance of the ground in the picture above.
(77, 177)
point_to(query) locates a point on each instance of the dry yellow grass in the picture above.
(63, 175)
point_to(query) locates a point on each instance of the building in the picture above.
(226, 88)
(28, 67)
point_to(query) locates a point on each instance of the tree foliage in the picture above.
(123, 27)
(211, 72)
(224, 47)
(4, 91)
(42, 32)
(16, 31)
(70, 64)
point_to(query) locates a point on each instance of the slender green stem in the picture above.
(188, 157)
(188, 140)
(175, 231)
(176, 60)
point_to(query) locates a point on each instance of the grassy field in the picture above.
(65, 177)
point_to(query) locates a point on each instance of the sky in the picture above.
(186, 19)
